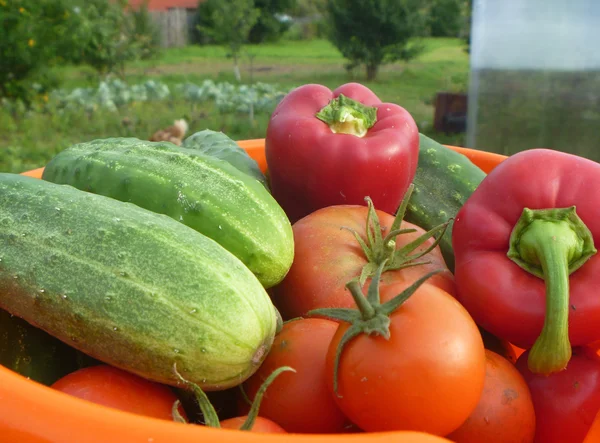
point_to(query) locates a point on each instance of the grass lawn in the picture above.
(26, 143)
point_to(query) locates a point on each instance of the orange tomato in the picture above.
(115, 388)
(261, 424)
(428, 376)
(505, 410)
(299, 402)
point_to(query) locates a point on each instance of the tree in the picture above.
(106, 33)
(270, 25)
(231, 21)
(446, 18)
(375, 32)
(34, 37)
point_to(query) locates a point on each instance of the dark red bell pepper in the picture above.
(526, 266)
(326, 148)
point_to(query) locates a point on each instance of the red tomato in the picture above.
(301, 401)
(261, 424)
(115, 388)
(505, 410)
(327, 256)
(567, 402)
(428, 376)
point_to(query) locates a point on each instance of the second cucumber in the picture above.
(205, 193)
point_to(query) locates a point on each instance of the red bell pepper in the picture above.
(526, 266)
(326, 148)
(566, 403)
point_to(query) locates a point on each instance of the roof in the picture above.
(163, 5)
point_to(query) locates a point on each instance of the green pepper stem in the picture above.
(551, 244)
(346, 116)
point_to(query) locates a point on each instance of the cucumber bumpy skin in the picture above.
(130, 287)
(203, 192)
(444, 180)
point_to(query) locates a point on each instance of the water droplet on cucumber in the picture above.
(193, 311)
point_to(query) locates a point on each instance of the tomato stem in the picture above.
(371, 317)
(344, 115)
(253, 413)
(551, 244)
(211, 418)
(379, 249)
(177, 417)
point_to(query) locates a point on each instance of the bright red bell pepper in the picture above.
(326, 148)
(566, 403)
(526, 266)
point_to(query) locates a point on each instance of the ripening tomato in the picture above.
(261, 424)
(327, 255)
(300, 402)
(115, 388)
(505, 410)
(427, 376)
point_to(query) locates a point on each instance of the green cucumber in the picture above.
(444, 180)
(33, 353)
(203, 192)
(219, 145)
(130, 287)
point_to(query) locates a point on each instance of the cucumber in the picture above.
(444, 180)
(33, 353)
(205, 193)
(219, 145)
(130, 287)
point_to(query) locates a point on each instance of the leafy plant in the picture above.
(106, 35)
(375, 32)
(144, 31)
(34, 36)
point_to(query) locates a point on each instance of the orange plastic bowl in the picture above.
(33, 413)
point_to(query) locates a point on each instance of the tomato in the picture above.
(261, 424)
(301, 401)
(327, 256)
(567, 402)
(115, 388)
(427, 376)
(505, 410)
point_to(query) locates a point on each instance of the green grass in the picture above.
(27, 143)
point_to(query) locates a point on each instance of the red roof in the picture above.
(163, 5)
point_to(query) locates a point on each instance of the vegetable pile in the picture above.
(369, 280)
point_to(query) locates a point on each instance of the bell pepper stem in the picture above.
(552, 350)
(551, 244)
(344, 115)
